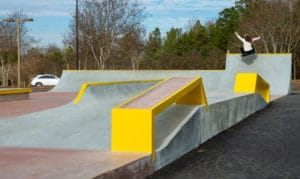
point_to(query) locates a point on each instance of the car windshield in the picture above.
(47, 77)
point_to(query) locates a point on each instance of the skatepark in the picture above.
(129, 124)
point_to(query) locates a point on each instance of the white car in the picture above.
(45, 80)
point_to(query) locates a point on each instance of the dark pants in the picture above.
(245, 53)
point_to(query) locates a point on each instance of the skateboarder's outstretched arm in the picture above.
(247, 41)
(255, 39)
(239, 37)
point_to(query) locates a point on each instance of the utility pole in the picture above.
(77, 39)
(19, 50)
(18, 20)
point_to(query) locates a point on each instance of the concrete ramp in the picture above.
(86, 125)
(215, 80)
(274, 68)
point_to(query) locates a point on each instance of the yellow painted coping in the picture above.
(84, 86)
(252, 83)
(6, 91)
(133, 128)
(134, 71)
(264, 54)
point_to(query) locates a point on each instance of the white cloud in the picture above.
(186, 5)
(166, 14)
(65, 7)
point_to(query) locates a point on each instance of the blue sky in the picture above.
(52, 17)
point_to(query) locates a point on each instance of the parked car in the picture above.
(45, 80)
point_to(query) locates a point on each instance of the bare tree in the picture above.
(131, 48)
(275, 22)
(103, 22)
(68, 55)
(8, 50)
(278, 23)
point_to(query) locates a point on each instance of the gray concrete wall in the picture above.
(198, 125)
(177, 133)
(226, 113)
(274, 68)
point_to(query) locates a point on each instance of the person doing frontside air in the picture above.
(247, 48)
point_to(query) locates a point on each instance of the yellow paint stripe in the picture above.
(5, 91)
(142, 71)
(261, 54)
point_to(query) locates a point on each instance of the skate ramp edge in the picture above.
(85, 86)
(133, 121)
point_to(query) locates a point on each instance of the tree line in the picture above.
(112, 36)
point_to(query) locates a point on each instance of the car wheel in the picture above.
(39, 84)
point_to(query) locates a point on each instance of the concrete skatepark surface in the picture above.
(87, 124)
(70, 126)
(38, 102)
(274, 68)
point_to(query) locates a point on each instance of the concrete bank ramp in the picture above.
(86, 125)
(274, 68)
(215, 80)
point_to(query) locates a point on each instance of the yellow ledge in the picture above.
(252, 83)
(6, 91)
(84, 86)
(133, 127)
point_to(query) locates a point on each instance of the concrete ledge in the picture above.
(13, 94)
(133, 121)
(252, 82)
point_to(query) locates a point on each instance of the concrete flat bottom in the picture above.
(65, 163)
(14, 97)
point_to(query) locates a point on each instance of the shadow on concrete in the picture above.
(249, 59)
(265, 145)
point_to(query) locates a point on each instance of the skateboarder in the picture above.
(247, 48)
